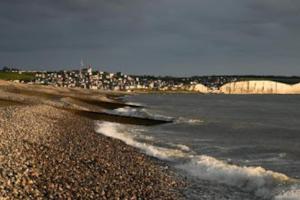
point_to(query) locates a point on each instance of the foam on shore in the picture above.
(292, 194)
(257, 180)
(115, 130)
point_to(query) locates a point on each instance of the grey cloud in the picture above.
(167, 36)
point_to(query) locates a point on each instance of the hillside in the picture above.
(25, 76)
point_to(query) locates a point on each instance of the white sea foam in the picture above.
(139, 112)
(292, 194)
(127, 110)
(113, 130)
(256, 180)
(253, 179)
(183, 147)
(146, 137)
(134, 104)
(195, 121)
(189, 121)
(143, 112)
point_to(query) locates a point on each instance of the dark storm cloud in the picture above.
(155, 36)
(60, 24)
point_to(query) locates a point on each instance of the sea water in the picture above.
(228, 146)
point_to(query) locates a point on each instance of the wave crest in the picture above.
(292, 194)
(112, 130)
(253, 179)
(143, 112)
(140, 112)
(263, 183)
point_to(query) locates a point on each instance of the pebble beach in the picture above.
(51, 153)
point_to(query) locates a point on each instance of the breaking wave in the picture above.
(139, 112)
(189, 121)
(143, 112)
(257, 180)
(291, 194)
(134, 104)
(183, 147)
(113, 130)
(263, 183)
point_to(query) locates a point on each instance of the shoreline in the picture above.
(48, 152)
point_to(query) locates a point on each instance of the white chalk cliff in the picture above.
(251, 87)
(256, 87)
(199, 88)
(296, 88)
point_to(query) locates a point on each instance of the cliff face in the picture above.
(296, 88)
(259, 87)
(199, 88)
(250, 87)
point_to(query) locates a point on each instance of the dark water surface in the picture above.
(229, 146)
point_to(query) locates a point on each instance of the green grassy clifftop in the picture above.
(25, 76)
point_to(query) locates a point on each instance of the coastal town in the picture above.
(87, 78)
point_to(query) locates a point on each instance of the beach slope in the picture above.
(50, 153)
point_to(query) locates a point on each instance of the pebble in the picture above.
(65, 158)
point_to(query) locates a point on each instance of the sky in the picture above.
(154, 37)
